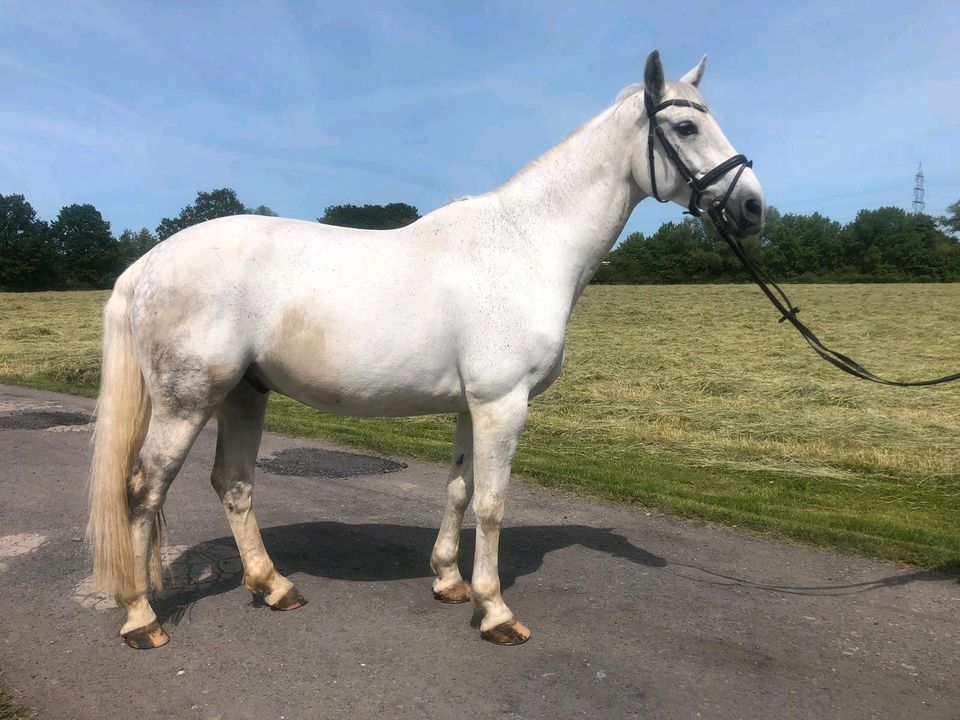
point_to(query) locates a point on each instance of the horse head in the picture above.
(689, 160)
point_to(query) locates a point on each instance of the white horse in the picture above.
(463, 311)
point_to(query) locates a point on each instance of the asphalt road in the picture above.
(633, 614)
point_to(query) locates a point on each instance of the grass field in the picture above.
(691, 399)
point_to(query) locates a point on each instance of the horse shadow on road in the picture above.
(370, 552)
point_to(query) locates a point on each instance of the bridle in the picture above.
(717, 212)
(697, 186)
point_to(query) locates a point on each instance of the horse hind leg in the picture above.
(449, 586)
(165, 447)
(239, 428)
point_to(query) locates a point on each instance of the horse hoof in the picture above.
(456, 594)
(147, 638)
(512, 632)
(291, 600)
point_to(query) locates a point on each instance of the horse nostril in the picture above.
(753, 208)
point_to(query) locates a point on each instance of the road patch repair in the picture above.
(318, 462)
(12, 546)
(633, 614)
(43, 420)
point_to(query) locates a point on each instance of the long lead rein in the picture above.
(717, 215)
(789, 312)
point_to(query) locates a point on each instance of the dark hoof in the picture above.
(459, 593)
(512, 632)
(147, 638)
(290, 601)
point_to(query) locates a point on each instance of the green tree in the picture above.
(207, 206)
(89, 257)
(691, 251)
(370, 217)
(951, 221)
(799, 247)
(678, 252)
(892, 245)
(629, 262)
(883, 245)
(27, 257)
(261, 210)
(134, 244)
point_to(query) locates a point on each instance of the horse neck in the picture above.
(571, 204)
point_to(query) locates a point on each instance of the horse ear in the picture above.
(693, 77)
(653, 76)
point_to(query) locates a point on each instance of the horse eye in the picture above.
(687, 128)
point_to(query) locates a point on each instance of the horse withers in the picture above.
(464, 312)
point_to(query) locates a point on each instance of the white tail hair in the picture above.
(123, 415)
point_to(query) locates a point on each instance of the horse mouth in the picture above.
(739, 226)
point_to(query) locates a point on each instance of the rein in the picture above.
(717, 212)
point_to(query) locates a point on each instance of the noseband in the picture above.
(697, 187)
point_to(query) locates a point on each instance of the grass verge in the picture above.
(687, 399)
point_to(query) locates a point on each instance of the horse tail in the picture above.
(123, 415)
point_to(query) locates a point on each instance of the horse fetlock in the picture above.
(495, 611)
(443, 558)
(139, 615)
(262, 578)
(487, 599)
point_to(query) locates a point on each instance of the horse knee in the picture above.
(488, 510)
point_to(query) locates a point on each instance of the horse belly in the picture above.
(352, 369)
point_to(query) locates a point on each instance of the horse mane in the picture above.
(628, 91)
(676, 89)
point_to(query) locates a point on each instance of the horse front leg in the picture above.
(448, 586)
(497, 427)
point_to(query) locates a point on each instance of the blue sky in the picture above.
(134, 106)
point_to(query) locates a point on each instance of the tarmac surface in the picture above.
(634, 615)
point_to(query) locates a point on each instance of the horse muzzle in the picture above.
(744, 217)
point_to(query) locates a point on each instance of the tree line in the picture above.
(78, 251)
(883, 245)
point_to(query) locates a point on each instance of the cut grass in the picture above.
(686, 398)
